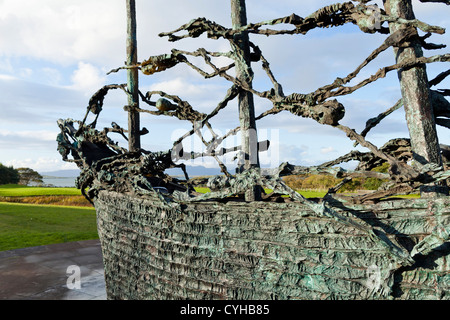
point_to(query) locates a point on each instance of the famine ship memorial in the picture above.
(163, 240)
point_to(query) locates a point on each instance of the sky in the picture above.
(54, 55)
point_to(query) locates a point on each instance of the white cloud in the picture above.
(41, 164)
(189, 87)
(87, 78)
(38, 134)
(327, 150)
(293, 153)
(60, 31)
(7, 77)
(178, 86)
(27, 140)
(26, 104)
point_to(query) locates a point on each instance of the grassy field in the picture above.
(33, 222)
(24, 225)
(45, 196)
(12, 190)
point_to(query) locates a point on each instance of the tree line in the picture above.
(22, 176)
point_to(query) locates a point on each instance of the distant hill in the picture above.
(61, 173)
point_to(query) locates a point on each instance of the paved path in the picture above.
(43, 273)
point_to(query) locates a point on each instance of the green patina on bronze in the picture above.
(163, 240)
(233, 250)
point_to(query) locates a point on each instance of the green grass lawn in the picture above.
(13, 190)
(23, 225)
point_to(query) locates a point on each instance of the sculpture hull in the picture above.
(267, 250)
